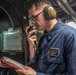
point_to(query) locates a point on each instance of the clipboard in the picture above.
(8, 62)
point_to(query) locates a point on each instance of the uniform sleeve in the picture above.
(33, 62)
(70, 54)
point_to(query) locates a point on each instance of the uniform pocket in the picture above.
(49, 59)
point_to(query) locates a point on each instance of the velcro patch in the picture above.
(54, 52)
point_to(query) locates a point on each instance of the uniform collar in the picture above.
(54, 30)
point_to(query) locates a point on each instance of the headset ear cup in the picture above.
(49, 12)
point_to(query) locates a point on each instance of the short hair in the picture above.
(37, 3)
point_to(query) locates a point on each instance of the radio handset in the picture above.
(32, 28)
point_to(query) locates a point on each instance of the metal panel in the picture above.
(0, 41)
(12, 40)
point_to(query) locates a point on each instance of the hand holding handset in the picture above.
(8, 62)
(33, 28)
(35, 33)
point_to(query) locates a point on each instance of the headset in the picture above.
(49, 12)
